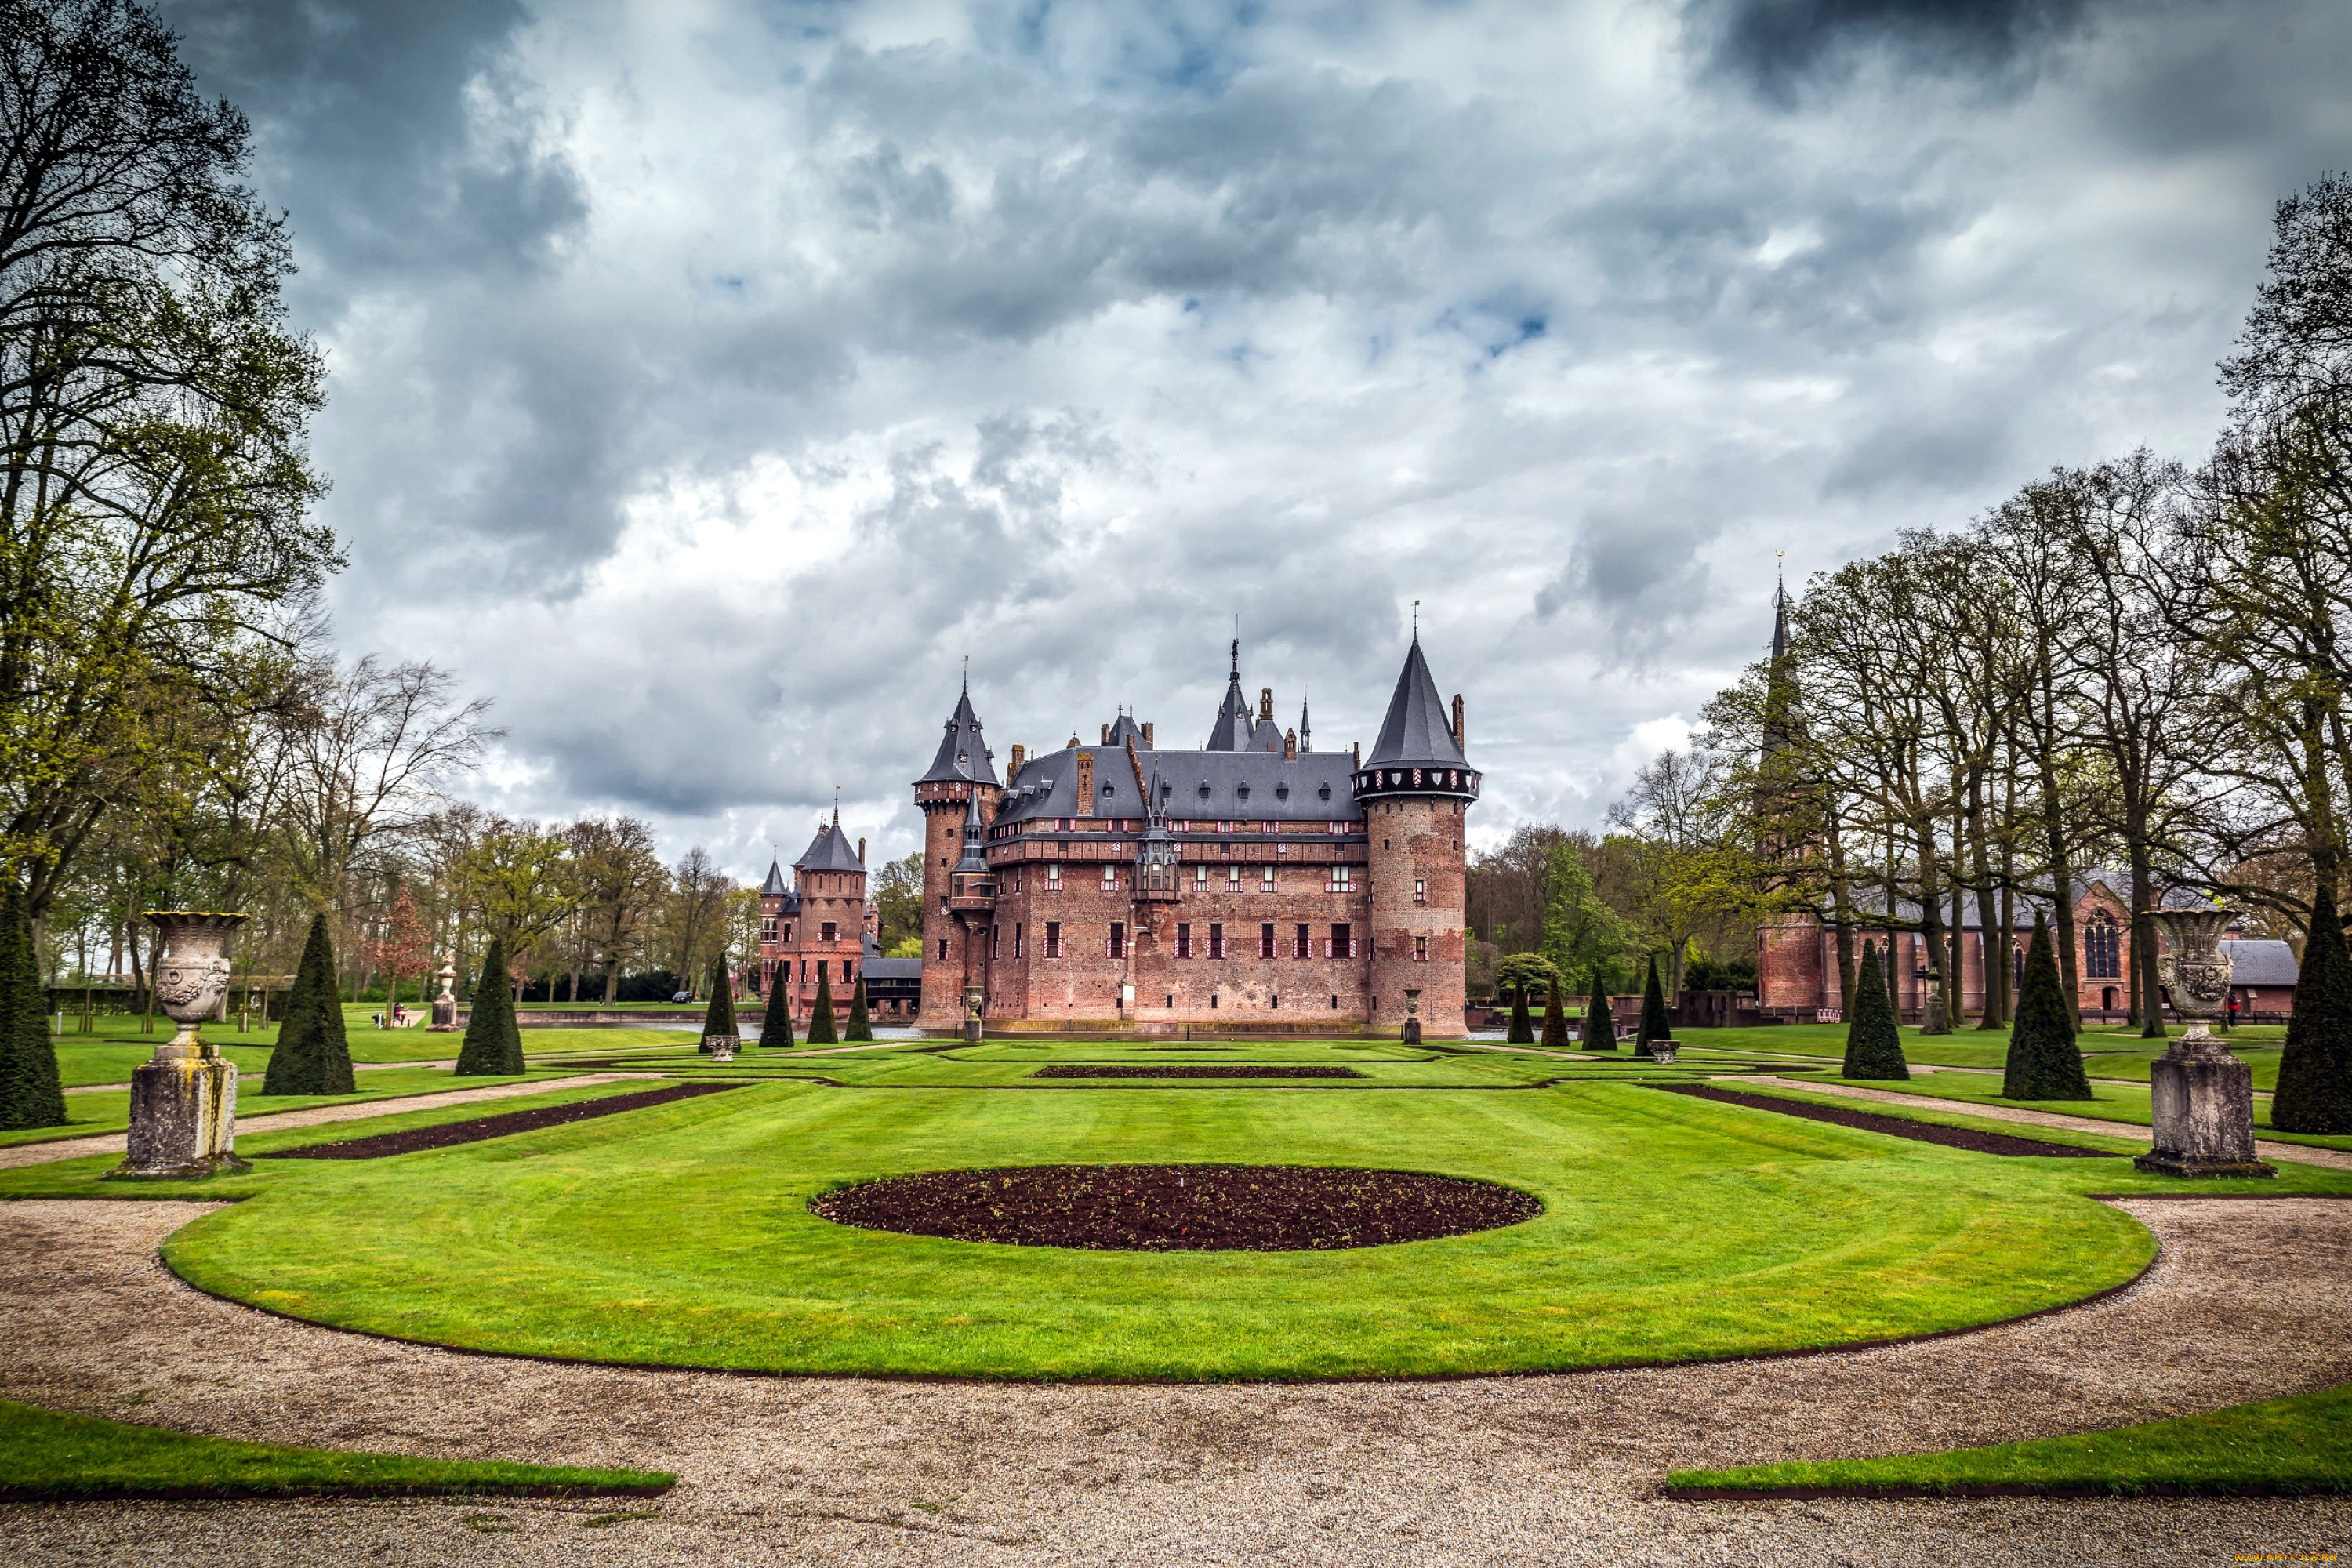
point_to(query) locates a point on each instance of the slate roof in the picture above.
(2261, 962)
(1123, 728)
(962, 754)
(894, 969)
(830, 850)
(1249, 786)
(1232, 730)
(775, 886)
(1417, 731)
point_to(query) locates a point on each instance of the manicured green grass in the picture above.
(2116, 1053)
(108, 1110)
(1673, 1228)
(2282, 1446)
(2108, 1102)
(1939, 1118)
(49, 1457)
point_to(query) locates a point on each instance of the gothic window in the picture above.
(1421, 950)
(829, 930)
(1217, 939)
(1053, 939)
(1016, 938)
(1232, 878)
(1302, 938)
(1111, 880)
(1265, 940)
(1119, 939)
(1343, 880)
(1200, 879)
(1343, 942)
(1420, 890)
(1183, 939)
(1053, 876)
(2102, 948)
(1266, 884)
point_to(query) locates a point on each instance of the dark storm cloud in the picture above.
(1780, 47)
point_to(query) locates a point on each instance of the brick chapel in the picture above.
(1255, 882)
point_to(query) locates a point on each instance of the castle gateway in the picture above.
(1253, 883)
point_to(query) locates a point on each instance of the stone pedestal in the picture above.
(1664, 1051)
(2202, 1101)
(1411, 1033)
(720, 1046)
(971, 1001)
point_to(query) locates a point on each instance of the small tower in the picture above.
(1415, 789)
(961, 777)
(778, 909)
(829, 903)
(1305, 729)
(1793, 974)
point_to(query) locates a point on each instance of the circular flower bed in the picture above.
(1179, 1208)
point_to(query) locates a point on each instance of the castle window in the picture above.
(1224, 827)
(768, 928)
(1111, 880)
(1217, 939)
(1265, 940)
(1342, 880)
(1302, 940)
(1420, 890)
(1335, 828)
(1200, 879)
(1119, 939)
(831, 932)
(1421, 950)
(788, 931)
(2102, 948)
(1266, 884)
(1054, 876)
(994, 933)
(1232, 878)
(1183, 939)
(943, 950)
(1343, 942)
(1053, 939)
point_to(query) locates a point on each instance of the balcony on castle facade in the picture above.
(970, 892)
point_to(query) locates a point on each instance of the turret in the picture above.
(958, 796)
(1415, 788)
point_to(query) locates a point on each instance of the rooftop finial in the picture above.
(1416, 620)
(836, 805)
(967, 672)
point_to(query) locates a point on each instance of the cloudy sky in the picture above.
(711, 377)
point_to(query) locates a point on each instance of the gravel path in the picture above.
(2248, 1301)
(2305, 1153)
(113, 1142)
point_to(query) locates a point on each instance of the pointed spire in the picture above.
(1305, 730)
(974, 836)
(962, 754)
(774, 887)
(1416, 732)
(1779, 681)
(1232, 730)
(1779, 609)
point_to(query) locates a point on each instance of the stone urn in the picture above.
(720, 1046)
(1662, 1051)
(1411, 1033)
(184, 1102)
(971, 999)
(445, 1005)
(2200, 1096)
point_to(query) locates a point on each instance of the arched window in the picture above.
(2102, 948)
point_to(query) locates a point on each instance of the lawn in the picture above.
(106, 1056)
(95, 1111)
(2108, 1102)
(2281, 1447)
(2116, 1053)
(679, 1234)
(49, 1457)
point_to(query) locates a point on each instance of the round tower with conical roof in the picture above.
(1415, 788)
(962, 774)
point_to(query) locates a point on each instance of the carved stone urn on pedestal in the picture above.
(971, 999)
(1661, 1051)
(1411, 1032)
(2202, 1097)
(445, 1006)
(184, 1102)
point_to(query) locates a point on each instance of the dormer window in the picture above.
(1324, 793)
(1282, 792)
(1245, 792)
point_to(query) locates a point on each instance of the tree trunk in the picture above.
(2151, 995)
(1993, 945)
(1931, 930)
(1842, 913)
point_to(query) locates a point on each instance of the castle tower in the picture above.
(1789, 972)
(961, 774)
(1415, 788)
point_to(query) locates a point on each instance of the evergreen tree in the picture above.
(311, 1055)
(1555, 1033)
(1599, 1025)
(2044, 1061)
(2314, 1075)
(1874, 1048)
(30, 1091)
(1654, 1026)
(493, 1044)
(1523, 1029)
(719, 1018)
(776, 1022)
(861, 1023)
(821, 1031)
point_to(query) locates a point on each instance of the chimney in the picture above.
(1457, 725)
(1086, 807)
(861, 852)
(1290, 746)
(1146, 737)
(1265, 702)
(1105, 735)
(1356, 753)
(1020, 752)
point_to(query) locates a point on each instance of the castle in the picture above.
(1253, 882)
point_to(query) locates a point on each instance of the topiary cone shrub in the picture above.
(1874, 1048)
(821, 1027)
(493, 1044)
(30, 1094)
(2043, 1061)
(1655, 1023)
(2314, 1075)
(861, 1023)
(1600, 1023)
(776, 1023)
(1523, 1030)
(1555, 1033)
(311, 1055)
(719, 1018)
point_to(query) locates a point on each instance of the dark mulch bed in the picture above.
(454, 1133)
(1894, 1126)
(1080, 1069)
(1179, 1208)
